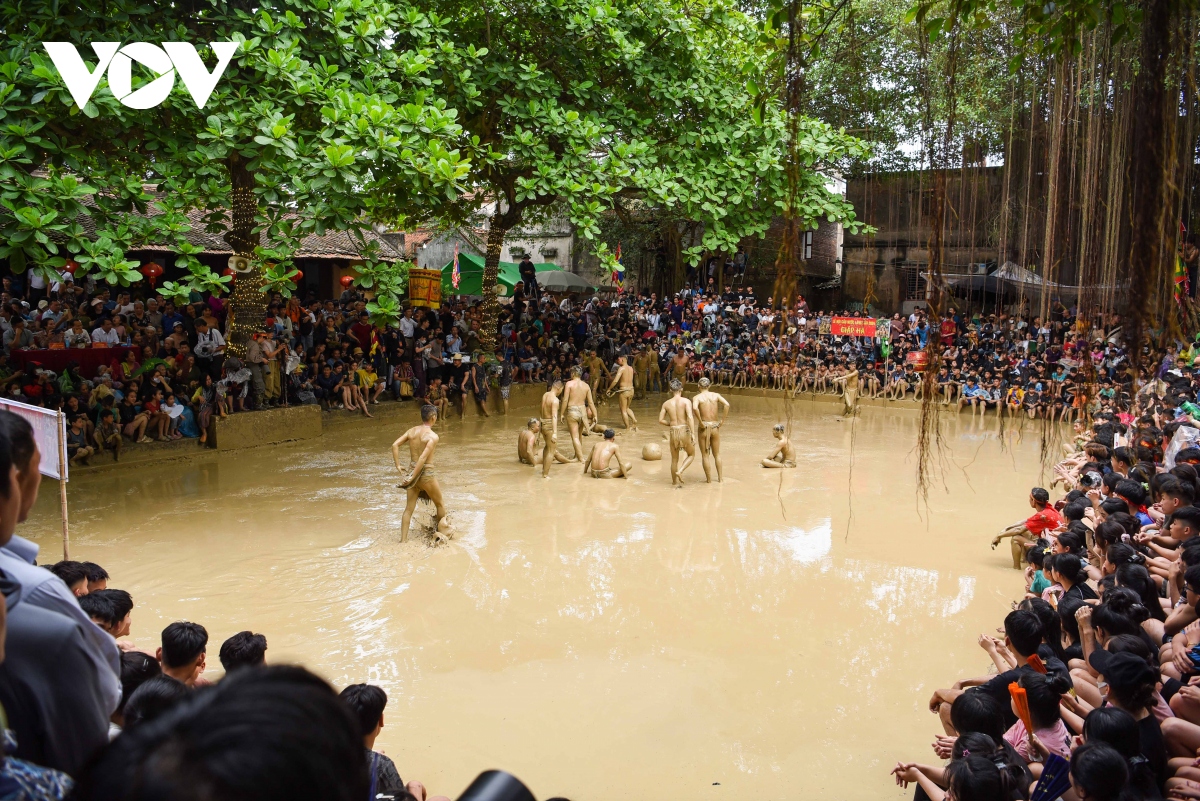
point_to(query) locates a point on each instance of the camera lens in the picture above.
(496, 785)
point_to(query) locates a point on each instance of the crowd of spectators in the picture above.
(136, 368)
(1098, 670)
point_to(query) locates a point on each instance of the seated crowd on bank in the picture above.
(1099, 661)
(135, 367)
(87, 713)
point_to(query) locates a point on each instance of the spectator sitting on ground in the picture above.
(137, 667)
(97, 576)
(154, 697)
(183, 651)
(78, 447)
(243, 650)
(73, 574)
(367, 702)
(111, 610)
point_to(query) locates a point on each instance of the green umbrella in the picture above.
(470, 272)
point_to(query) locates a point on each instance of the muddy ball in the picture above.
(651, 452)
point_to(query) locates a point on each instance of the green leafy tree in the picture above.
(314, 122)
(568, 105)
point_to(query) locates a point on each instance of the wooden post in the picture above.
(62, 483)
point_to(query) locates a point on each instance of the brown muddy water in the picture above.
(776, 636)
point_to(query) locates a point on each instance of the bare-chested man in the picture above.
(527, 450)
(597, 372)
(640, 366)
(579, 410)
(849, 383)
(605, 459)
(711, 412)
(623, 382)
(679, 365)
(420, 477)
(549, 424)
(654, 379)
(676, 413)
(784, 454)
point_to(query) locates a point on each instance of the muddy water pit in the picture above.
(775, 636)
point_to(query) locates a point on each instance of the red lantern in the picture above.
(152, 271)
(71, 266)
(298, 277)
(347, 280)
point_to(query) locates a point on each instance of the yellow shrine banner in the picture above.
(425, 288)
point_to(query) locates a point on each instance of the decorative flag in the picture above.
(455, 275)
(618, 275)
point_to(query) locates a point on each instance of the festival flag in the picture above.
(618, 274)
(455, 275)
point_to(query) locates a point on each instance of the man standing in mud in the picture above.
(597, 372)
(549, 421)
(641, 364)
(579, 411)
(420, 477)
(676, 414)
(679, 365)
(711, 412)
(623, 383)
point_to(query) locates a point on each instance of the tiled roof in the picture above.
(330, 245)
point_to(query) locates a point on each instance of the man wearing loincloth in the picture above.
(597, 372)
(679, 364)
(655, 377)
(784, 454)
(605, 459)
(711, 412)
(420, 478)
(579, 410)
(549, 424)
(527, 449)
(676, 413)
(849, 383)
(640, 365)
(623, 383)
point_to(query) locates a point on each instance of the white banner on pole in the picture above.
(48, 426)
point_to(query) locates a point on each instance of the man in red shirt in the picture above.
(1044, 518)
(363, 333)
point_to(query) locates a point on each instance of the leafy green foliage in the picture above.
(1035, 26)
(318, 106)
(571, 105)
(386, 282)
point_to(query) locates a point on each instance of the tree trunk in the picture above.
(247, 303)
(488, 337)
(1148, 175)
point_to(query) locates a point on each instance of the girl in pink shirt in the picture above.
(1043, 693)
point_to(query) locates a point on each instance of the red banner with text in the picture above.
(853, 326)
